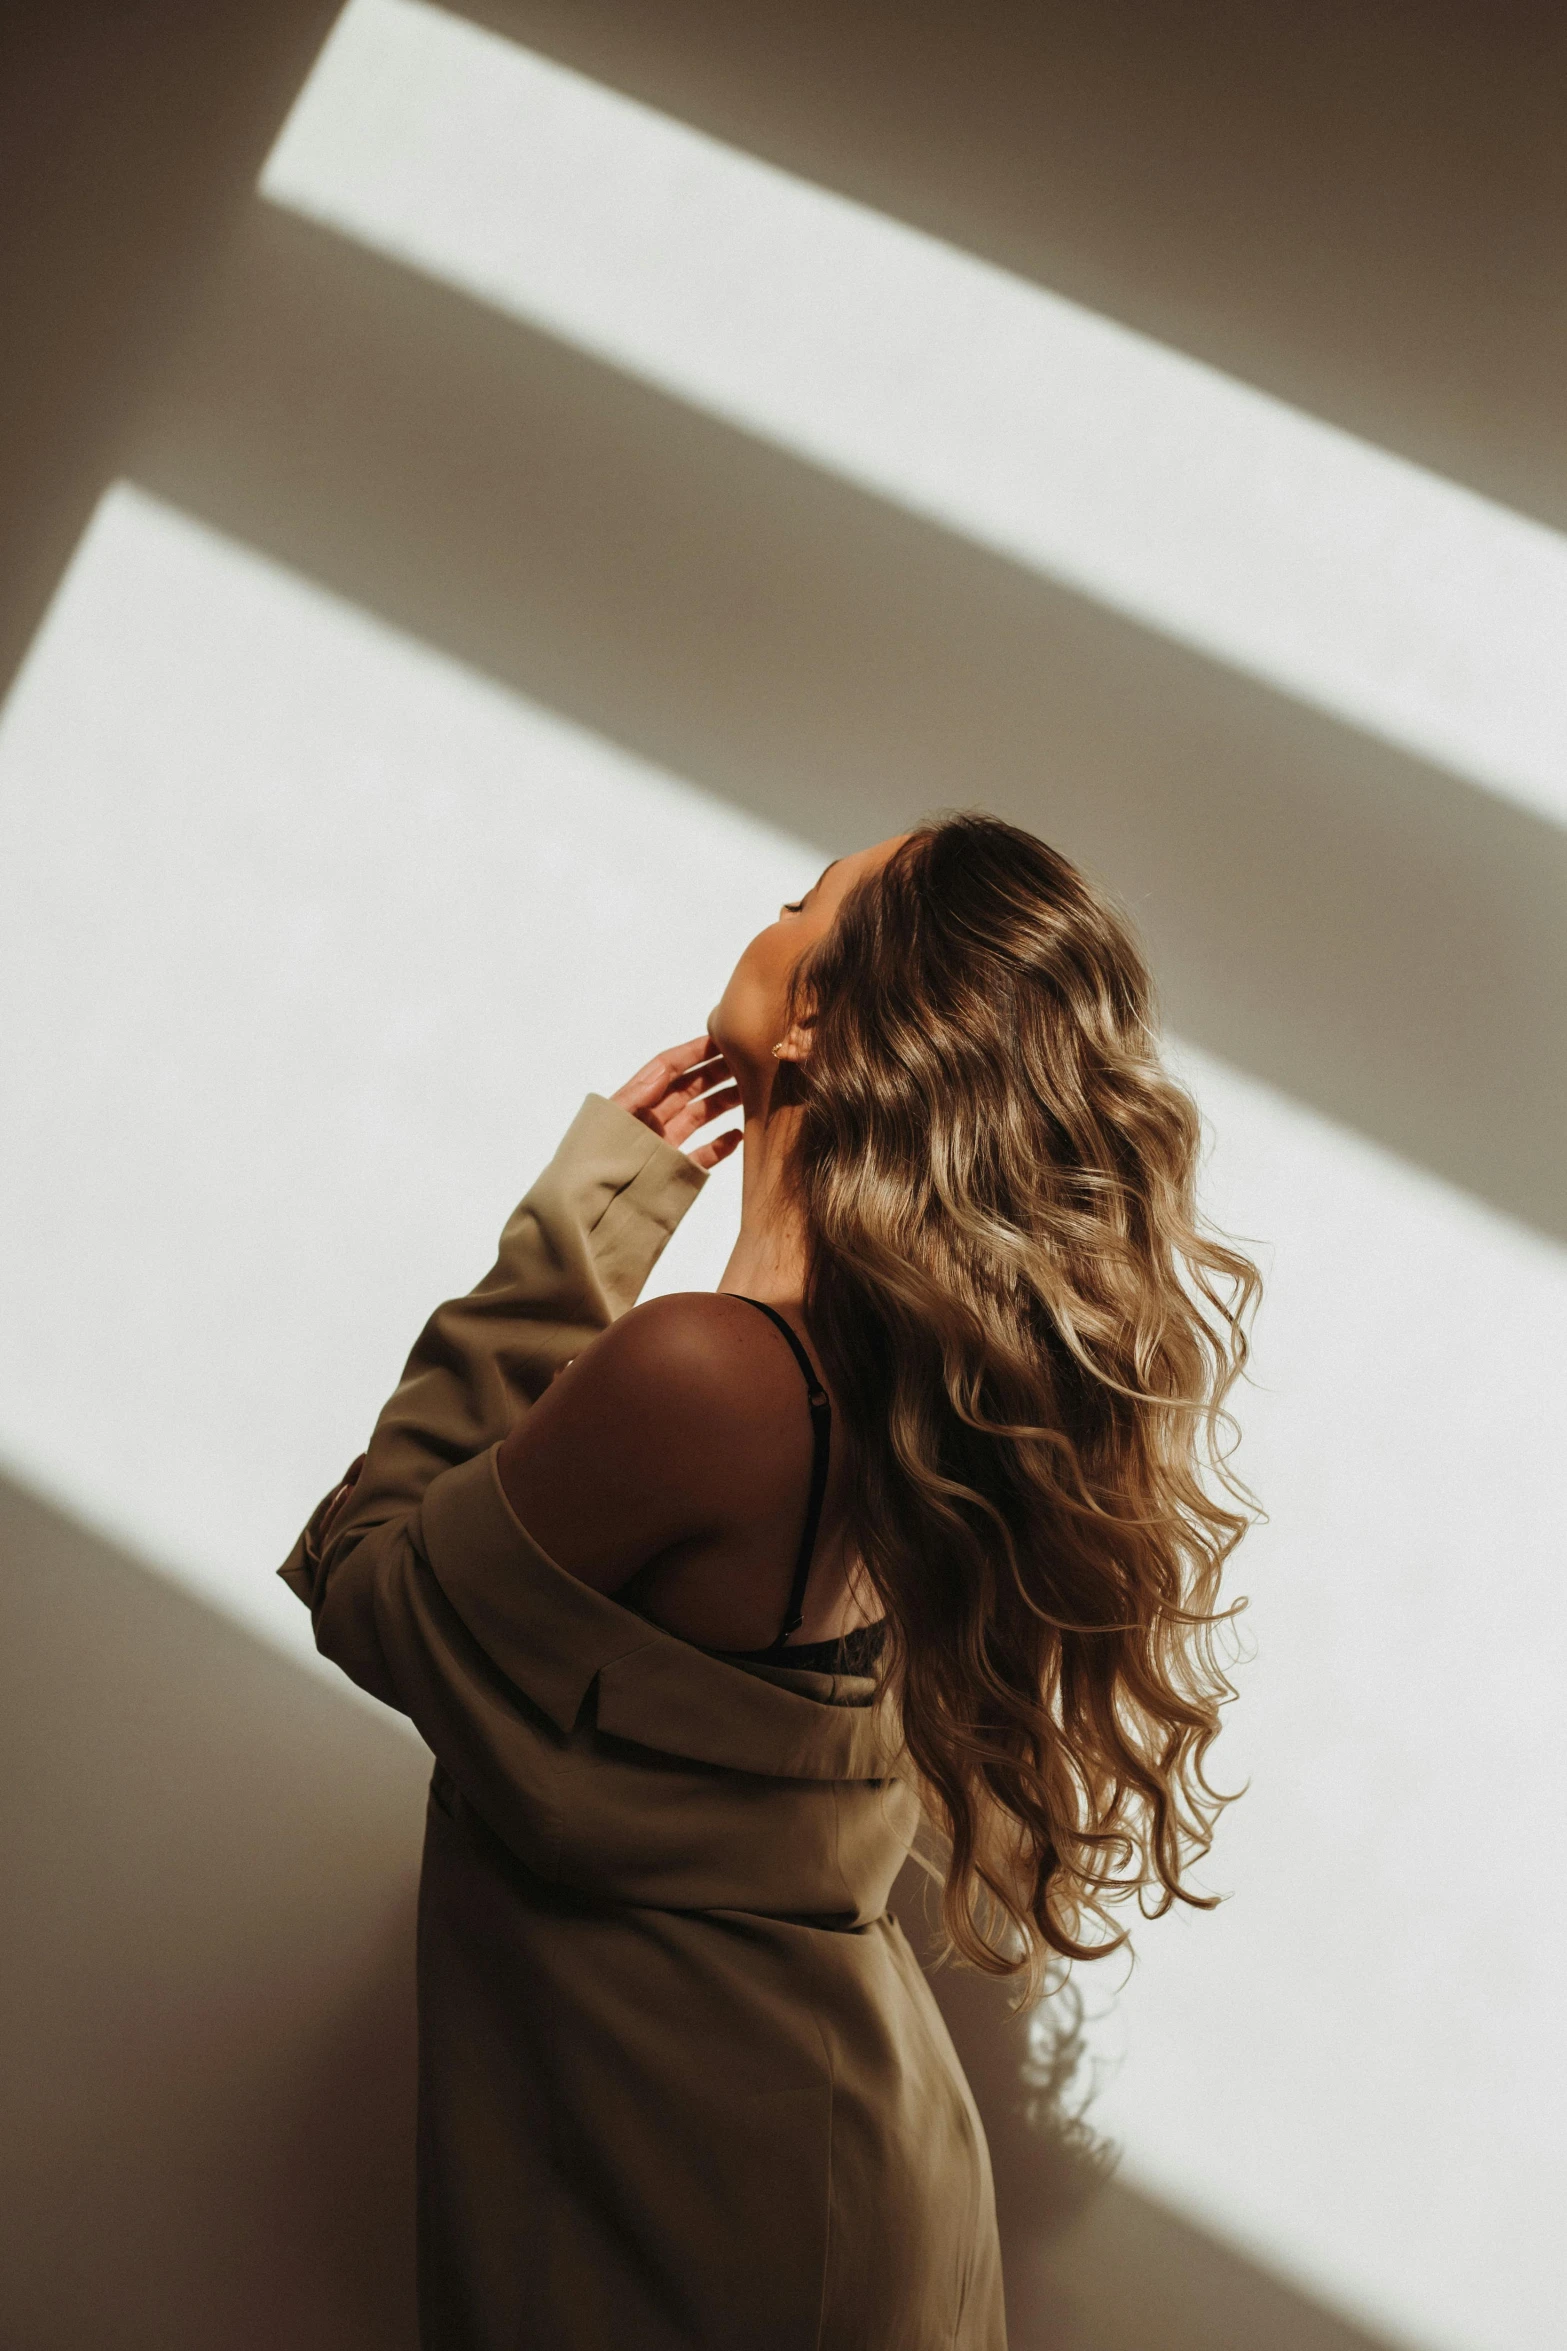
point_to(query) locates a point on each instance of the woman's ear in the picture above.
(795, 1044)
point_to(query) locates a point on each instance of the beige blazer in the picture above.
(682, 2082)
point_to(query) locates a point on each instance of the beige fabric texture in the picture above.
(682, 2081)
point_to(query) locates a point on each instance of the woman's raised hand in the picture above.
(680, 1091)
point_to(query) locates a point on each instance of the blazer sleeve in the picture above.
(573, 1257)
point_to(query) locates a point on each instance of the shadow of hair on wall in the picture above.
(207, 2022)
(1091, 2263)
(1031, 2073)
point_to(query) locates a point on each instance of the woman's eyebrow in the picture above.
(822, 876)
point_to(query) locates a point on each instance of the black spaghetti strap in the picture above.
(821, 1446)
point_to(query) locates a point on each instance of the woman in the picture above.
(705, 1606)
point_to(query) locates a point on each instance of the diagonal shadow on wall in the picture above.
(129, 136)
(207, 2007)
(1359, 929)
(1360, 207)
(207, 2016)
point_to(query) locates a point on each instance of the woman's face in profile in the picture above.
(749, 1018)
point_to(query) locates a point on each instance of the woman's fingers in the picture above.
(707, 1155)
(668, 1084)
(682, 1090)
(696, 1115)
(695, 1082)
(661, 1075)
(654, 1079)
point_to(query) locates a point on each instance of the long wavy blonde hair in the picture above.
(1030, 1336)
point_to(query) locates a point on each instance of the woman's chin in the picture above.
(726, 1041)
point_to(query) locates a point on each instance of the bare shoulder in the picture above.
(692, 1334)
(651, 1435)
(696, 1354)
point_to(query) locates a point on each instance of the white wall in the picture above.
(309, 942)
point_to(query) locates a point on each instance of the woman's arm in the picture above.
(572, 1258)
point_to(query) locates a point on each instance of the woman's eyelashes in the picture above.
(797, 908)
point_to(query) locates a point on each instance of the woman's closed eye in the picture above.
(797, 908)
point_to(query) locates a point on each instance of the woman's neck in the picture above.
(768, 1258)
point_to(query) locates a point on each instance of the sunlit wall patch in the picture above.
(1266, 539)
